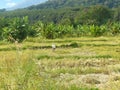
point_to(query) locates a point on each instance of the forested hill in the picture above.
(62, 18)
(74, 3)
(69, 12)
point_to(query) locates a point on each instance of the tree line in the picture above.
(68, 15)
(59, 23)
(18, 29)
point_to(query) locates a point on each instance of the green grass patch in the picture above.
(32, 65)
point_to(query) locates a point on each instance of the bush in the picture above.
(74, 44)
(17, 30)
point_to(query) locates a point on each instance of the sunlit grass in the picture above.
(83, 63)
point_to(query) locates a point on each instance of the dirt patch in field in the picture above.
(96, 80)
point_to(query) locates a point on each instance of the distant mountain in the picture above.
(73, 3)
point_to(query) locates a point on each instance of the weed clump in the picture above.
(74, 45)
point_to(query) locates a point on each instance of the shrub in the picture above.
(17, 30)
(74, 44)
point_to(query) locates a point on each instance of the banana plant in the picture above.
(17, 30)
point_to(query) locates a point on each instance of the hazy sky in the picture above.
(14, 3)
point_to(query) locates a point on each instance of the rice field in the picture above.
(84, 63)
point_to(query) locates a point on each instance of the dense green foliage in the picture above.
(72, 11)
(74, 3)
(75, 15)
(59, 31)
(16, 29)
(61, 18)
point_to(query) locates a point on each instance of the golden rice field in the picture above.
(84, 63)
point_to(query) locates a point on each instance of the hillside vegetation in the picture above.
(60, 21)
(69, 11)
(75, 3)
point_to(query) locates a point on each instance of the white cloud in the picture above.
(11, 4)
